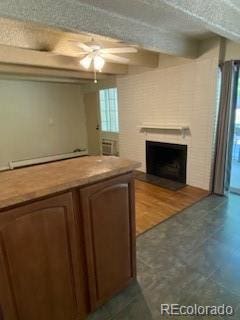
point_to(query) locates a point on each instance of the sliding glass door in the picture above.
(235, 168)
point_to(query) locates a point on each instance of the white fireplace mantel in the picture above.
(168, 127)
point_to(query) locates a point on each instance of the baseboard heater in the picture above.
(29, 162)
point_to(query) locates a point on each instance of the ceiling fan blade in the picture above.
(114, 58)
(84, 47)
(119, 50)
(81, 45)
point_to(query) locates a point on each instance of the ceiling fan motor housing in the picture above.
(94, 45)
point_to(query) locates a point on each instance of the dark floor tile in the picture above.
(146, 276)
(183, 317)
(172, 290)
(190, 258)
(232, 201)
(174, 239)
(124, 298)
(228, 236)
(213, 294)
(214, 220)
(159, 233)
(177, 317)
(162, 260)
(232, 226)
(170, 241)
(200, 209)
(190, 215)
(209, 257)
(228, 274)
(210, 318)
(235, 316)
(137, 310)
(210, 203)
(178, 278)
(173, 286)
(188, 317)
(100, 314)
(191, 239)
(155, 248)
(230, 208)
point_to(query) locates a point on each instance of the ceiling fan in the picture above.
(96, 55)
(93, 54)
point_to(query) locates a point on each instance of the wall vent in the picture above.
(108, 147)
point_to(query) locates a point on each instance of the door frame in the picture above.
(235, 99)
(94, 94)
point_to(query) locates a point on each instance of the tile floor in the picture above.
(235, 175)
(194, 257)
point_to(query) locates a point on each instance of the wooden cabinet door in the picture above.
(40, 262)
(109, 224)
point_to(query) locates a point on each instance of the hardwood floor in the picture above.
(155, 204)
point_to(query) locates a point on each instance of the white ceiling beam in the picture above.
(143, 58)
(27, 35)
(219, 16)
(81, 17)
(18, 56)
(31, 72)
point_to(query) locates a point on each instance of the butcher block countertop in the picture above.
(25, 184)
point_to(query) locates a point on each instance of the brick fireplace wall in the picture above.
(180, 91)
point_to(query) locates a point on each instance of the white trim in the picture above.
(150, 125)
(4, 168)
(171, 127)
(28, 162)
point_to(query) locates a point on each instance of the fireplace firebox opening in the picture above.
(166, 160)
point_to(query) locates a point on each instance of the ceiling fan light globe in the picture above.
(98, 63)
(86, 62)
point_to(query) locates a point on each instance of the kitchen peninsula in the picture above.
(67, 237)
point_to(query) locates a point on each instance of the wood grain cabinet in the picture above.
(40, 262)
(109, 229)
(63, 256)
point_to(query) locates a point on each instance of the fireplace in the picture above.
(166, 160)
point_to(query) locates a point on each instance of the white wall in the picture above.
(92, 87)
(232, 50)
(39, 119)
(180, 91)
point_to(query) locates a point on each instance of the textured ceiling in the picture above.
(235, 3)
(162, 17)
(219, 16)
(191, 18)
(78, 16)
(168, 26)
(29, 35)
(31, 44)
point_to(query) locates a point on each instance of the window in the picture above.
(109, 110)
